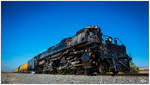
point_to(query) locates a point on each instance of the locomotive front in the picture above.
(114, 56)
(103, 54)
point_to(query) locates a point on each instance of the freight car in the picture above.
(87, 52)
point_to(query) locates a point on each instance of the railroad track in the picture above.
(145, 74)
(141, 74)
(123, 75)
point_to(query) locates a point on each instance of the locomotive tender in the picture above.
(87, 52)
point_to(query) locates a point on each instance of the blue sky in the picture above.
(29, 28)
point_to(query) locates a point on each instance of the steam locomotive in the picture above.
(87, 52)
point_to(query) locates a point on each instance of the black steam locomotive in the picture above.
(87, 52)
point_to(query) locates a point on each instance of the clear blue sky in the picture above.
(29, 28)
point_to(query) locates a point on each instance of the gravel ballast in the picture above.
(22, 78)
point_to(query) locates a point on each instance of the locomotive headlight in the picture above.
(110, 39)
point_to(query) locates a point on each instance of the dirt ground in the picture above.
(24, 78)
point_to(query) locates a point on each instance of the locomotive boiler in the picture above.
(87, 52)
